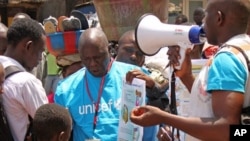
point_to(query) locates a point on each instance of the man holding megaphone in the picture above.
(217, 93)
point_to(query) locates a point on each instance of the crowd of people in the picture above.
(85, 102)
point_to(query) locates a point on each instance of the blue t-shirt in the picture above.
(227, 73)
(72, 94)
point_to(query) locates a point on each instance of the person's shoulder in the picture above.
(67, 85)
(8, 61)
(23, 79)
(5, 61)
(239, 40)
(25, 76)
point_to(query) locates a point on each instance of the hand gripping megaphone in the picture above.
(151, 35)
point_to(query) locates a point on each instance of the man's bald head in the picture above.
(21, 16)
(94, 37)
(93, 50)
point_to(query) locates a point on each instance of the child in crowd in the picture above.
(52, 123)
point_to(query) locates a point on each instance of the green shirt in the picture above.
(52, 68)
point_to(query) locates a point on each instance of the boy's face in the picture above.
(2, 76)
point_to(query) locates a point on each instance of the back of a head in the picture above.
(51, 120)
(24, 28)
(21, 16)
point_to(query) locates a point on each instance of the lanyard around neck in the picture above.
(99, 93)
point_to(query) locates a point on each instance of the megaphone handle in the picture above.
(182, 54)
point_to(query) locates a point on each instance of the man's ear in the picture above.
(28, 45)
(61, 136)
(221, 17)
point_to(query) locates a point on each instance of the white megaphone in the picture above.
(151, 35)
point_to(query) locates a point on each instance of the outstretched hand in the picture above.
(146, 115)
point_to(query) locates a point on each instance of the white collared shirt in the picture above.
(23, 95)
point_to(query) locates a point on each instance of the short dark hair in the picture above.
(24, 28)
(199, 11)
(49, 120)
